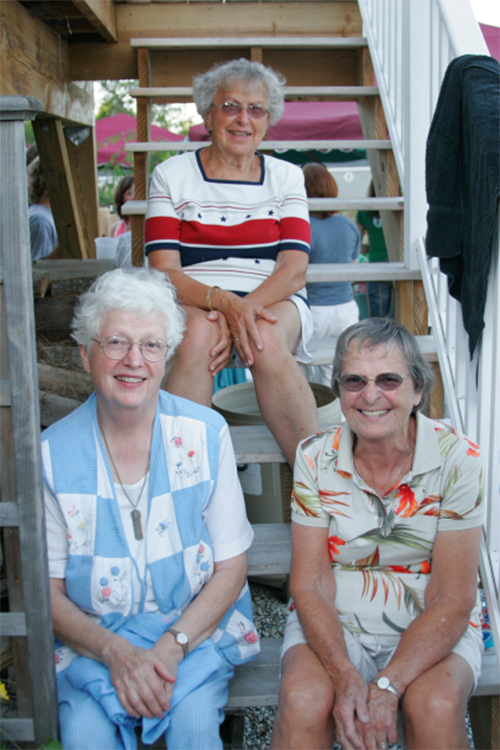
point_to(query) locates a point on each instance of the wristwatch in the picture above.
(181, 639)
(384, 683)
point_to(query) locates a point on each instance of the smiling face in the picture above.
(374, 414)
(131, 382)
(239, 135)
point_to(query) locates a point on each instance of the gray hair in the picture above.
(139, 290)
(373, 332)
(251, 74)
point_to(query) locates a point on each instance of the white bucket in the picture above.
(238, 404)
(105, 247)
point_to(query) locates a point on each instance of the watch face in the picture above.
(383, 683)
(182, 639)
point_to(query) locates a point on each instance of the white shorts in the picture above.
(300, 354)
(371, 653)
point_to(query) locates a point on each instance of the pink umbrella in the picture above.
(113, 132)
(492, 38)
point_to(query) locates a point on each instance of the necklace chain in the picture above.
(116, 470)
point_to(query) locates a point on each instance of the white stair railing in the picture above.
(411, 44)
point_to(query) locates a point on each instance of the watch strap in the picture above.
(177, 633)
(390, 687)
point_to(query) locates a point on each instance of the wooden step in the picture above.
(292, 93)
(68, 271)
(149, 146)
(138, 208)
(284, 42)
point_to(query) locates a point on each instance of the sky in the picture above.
(487, 11)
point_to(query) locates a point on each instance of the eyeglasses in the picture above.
(387, 381)
(117, 347)
(231, 109)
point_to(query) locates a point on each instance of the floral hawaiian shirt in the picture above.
(381, 548)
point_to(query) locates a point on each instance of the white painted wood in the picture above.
(313, 92)
(138, 147)
(417, 114)
(138, 208)
(274, 42)
(463, 30)
(356, 272)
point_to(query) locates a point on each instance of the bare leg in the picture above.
(304, 720)
(284, 395)
(434, 707)
(189, 375)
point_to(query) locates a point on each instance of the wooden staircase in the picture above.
(345, 73)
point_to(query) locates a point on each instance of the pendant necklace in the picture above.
(134, 514)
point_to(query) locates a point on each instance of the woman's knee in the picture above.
(200, 337)
(433, 706)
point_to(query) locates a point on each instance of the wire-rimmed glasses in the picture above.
(231, 109)
(117, 347)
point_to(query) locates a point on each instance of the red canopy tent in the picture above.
(308, 121)
(113, 132)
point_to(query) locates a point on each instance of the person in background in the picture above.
(230, 227)
(380, 293)
(124, 192)
(334, 239)
(43, 235)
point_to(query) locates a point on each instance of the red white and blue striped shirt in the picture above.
(213, 220)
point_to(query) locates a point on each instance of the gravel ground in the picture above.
(270, 616)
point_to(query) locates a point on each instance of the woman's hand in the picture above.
(350, 711)
(382, 728)
(241, 314)
(221, 352)
(143, 682)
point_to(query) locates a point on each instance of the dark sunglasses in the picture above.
(387, 381)
(232, 109)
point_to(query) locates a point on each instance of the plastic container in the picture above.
(238, 404)
(267, 487)
(105, 247)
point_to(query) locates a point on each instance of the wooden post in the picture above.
(65, 198)
(484, 713)
(26, 475)
(141, 161)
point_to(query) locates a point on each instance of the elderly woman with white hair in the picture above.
(231, 228)
(147, 535)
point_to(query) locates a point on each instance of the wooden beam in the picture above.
(35, 62)
(485, 721)
(83, 166)
(207, 19)
(183, 20)
(102, 16)
(141, 160)
(63, 194)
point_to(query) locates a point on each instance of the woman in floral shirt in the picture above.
(391, 502)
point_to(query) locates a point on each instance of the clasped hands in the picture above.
(144, 678)
(365, 716)
(237, 326)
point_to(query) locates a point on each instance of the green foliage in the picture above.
(28, 132)
(116, 98)
(52, 745)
